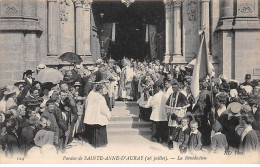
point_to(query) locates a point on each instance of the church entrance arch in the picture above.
(136, 31)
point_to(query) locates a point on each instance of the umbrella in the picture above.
(49, 75)
(71, 57)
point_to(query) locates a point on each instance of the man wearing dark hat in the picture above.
(247, 80)
(245, 88)
(27, 76)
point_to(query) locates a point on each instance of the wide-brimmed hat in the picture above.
(19, 82)
(33, 104)
(29, 72)
(234, 107)
(47, 85)
(9, 90)
(91, 68)
(41, 66)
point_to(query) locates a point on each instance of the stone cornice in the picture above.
(20, 25)
(239, 24)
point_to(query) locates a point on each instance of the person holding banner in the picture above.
(201, 113)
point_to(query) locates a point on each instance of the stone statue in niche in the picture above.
(63, 10)
(192, 10)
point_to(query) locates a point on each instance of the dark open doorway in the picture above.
(130, 26)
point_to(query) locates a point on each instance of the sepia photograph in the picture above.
(129, 81)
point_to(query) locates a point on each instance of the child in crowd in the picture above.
(194, 143)
(173, 131)
(78, 128)
(219, 142)
(44, 140)
(184, 134)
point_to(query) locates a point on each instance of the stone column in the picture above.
(79, 27)
(227, 9)
(168, 31)
(52, 28)
(177, 28)
(87, 26)
(205, 20)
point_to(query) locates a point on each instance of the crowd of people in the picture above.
(40, 117)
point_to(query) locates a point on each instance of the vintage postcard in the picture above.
(129, 81)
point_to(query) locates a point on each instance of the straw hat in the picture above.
(41, 66)
(234, 107)
(9, 90)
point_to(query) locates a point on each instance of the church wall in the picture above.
(42, 40)
(191, 26)
(11, 57)
(247, 54)
(66, 26)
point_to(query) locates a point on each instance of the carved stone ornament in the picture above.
(177, 3)
(10, 11)
(247, 8)
(192, 10)
(87, 4)
(78, 3)
(128, 2)
(167, 3)
(63, 10)
(66, 2)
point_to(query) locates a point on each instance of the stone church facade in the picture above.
(39, 31)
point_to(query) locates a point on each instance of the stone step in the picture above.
(128, 124)
(129, 131)
(124, 118)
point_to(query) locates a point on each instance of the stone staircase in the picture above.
(125, 120)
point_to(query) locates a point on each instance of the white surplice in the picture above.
(157, 102)
(96, 110)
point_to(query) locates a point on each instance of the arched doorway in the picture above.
(131, 28)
